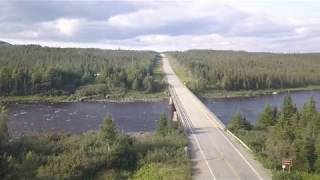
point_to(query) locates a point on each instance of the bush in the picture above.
(107, 154)
(279, 175)
(92, 89)
(156, 171)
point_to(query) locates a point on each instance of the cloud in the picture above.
(163, 25)
(66, 26)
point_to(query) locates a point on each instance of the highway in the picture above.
(215, 153)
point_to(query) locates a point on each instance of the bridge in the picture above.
(216, 153)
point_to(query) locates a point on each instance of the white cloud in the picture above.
(66, 26)
(164, 14)
(171, 25)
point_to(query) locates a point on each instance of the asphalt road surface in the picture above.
(215, 153)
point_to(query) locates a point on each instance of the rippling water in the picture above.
(83, 116)
(252, 107)
(129, 117)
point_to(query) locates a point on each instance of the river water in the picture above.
(251, 107)
(130, 117)
(83, 116)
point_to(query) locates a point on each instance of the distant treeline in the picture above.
(32, 69)
(231, 70)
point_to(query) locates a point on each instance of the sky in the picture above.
(269, 26)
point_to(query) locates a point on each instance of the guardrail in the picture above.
(211, 115)
(187, 122)
(180, 110)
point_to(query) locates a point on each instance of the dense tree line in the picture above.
(286, 133)
(105, 154)
(231, 70)
(32, 69)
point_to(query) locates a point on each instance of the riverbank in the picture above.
(222, 94)
(182, 73)
(131, 96)
(107, 153)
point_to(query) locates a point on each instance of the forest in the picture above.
(285, 133)
(32, 69)
(103, 154)
(238, 70)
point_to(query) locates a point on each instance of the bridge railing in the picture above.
(187, 122)
(184, 118)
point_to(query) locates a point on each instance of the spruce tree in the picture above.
(266, 118)
(163, 127)
(109, 131)
(288, 109)
(238, 122)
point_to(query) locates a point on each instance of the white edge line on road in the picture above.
(198, 144)
(247, 162)
(253, 169)
(202, 153)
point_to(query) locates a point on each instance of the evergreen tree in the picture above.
(109, 131)
(266, 118)
(317, 152)
(4, 133)
(163, 126)
(148, 84)
(135, 84)
(239, 122)
(288, 109)
(26, 70)
(230, 70)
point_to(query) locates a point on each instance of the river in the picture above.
(251, 107)
(26, 119)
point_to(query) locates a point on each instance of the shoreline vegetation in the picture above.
(228, 74)
(150, 97)
(103, 154)
(56, 75)
(221, 94)
(128, 97)
(284, 133)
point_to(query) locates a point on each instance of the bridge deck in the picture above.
(216, 154)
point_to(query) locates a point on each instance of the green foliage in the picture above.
(285, 176)
(4, 137)
(267, 118)
(109, 131)
(92, 89)
(239, 122)
(106, 154)
(288, 110)
(157, 171)
(4, 133)
(164, 157)
(236, 70)
(29, 70)
(136, 84)
(164, 127)
(291, 134)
